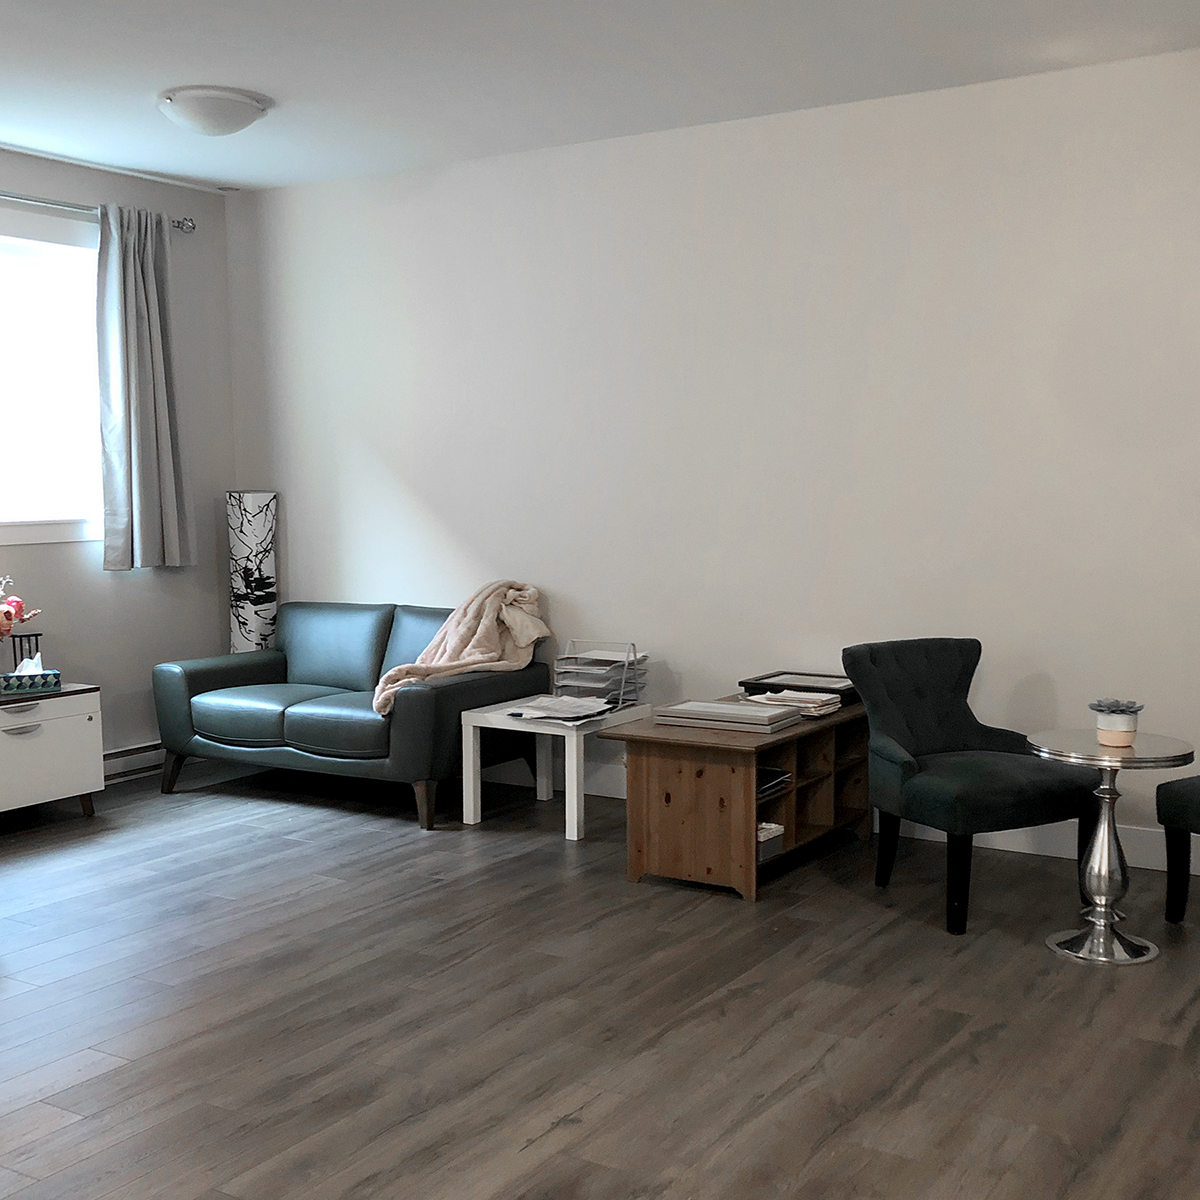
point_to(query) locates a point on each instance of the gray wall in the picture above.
(111, 627)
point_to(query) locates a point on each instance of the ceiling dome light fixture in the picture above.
(213, 111)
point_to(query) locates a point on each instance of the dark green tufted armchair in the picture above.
(933, 762)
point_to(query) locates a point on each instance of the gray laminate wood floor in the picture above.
(277, 988)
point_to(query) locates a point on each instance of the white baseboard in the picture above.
(605, 779)
(1143, 847)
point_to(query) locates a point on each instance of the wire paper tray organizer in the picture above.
(613, 672)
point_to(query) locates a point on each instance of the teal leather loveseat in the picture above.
(307, 704)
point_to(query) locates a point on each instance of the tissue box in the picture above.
(770, 840)
(23, 685)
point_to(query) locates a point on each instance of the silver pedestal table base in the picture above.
(1104, 874)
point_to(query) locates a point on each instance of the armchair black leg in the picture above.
(172, 765)
(1087, 826)
(889, 841)
(958, 881)
(426, 789)
(1179, 872)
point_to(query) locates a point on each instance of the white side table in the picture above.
(495, 716)
(50, 747)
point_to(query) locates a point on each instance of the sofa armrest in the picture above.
(425, 739)
(175, 683)
(475, 689)
(454, 694)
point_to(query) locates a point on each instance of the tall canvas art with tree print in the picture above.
(253, 594)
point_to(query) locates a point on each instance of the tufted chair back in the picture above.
(915, 691)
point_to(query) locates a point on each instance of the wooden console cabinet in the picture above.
(692, 811)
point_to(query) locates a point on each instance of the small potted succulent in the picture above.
(1116, 721)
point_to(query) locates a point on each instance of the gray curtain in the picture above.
(147, 518)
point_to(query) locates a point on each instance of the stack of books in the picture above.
(748, 716)
(617, 677)
(811, 704)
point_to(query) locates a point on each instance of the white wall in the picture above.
(749, 392)
(111, 627)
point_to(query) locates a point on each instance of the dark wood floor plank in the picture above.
(55, 1074)
(57, 1150)
(11, 1182)
(31, 1124)
(122, 1167)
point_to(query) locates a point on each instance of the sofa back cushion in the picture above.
(336, 645)
(412, 631)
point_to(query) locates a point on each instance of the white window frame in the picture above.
(49, 224)
(37, 533)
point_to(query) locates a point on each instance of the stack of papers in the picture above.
(569, 709)
(745, 715)
(811, 704)
(771, 782)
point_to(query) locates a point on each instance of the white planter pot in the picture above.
(1116, 729)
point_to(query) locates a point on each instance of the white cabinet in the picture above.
(51, 747)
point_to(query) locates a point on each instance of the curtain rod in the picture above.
(184, 224)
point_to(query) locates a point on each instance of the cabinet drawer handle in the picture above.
(24, 729)
(21, 708)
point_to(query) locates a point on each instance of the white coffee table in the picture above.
(496, 716)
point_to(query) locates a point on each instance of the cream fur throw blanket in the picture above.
(493, 631)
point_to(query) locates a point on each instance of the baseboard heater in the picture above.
(132, 762)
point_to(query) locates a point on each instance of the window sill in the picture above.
(34, 533)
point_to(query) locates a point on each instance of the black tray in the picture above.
(807, 681)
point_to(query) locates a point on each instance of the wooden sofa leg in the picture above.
(426, 790)
(172, 765)
(889, 842)
(1179, 872)
(958, 881)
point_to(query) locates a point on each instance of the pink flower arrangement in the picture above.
(12, 609)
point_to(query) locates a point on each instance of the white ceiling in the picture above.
(372, 86)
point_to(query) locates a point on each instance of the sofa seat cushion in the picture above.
(342, 726)
(983, 791)
(251, 715)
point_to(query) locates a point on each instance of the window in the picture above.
(49, 385)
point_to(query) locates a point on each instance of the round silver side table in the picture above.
(1104, 875)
